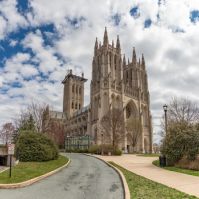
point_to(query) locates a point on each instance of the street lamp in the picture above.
(165, 117)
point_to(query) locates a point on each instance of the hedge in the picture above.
(33, 146)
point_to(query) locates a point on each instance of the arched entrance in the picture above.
(133, 130)
(131, 110)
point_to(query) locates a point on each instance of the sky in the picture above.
(41, 40)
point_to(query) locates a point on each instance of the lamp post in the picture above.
(165, 116)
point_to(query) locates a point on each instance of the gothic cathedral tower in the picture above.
(73, 98)
(116, 83)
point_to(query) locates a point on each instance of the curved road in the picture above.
(85, 178)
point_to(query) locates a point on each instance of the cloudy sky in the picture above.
(41, 39)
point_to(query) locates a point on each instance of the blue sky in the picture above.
(41, 40)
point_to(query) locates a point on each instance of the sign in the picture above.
(11, 149)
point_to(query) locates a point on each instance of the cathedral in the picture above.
(115, 83)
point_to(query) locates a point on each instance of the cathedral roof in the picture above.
(82, 110)
(57, 115)
(71, 75)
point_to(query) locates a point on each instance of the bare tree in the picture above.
(53, 128)
(37, 111)
(133, 127)
(34, 112)
(7, 132)
(156, 148)
(182, 114)
(112, 124)
(56, 132)
(182, 110)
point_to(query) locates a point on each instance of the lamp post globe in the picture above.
(165, 107)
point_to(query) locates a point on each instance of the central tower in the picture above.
(106, 80)
(121, 84)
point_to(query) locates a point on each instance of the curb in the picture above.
(33, 180)
(122, 178)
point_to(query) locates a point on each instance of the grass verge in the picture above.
(144, 188)
(27, 170)
(149, 155)
(177, 169)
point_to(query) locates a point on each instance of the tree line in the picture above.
(33, 118)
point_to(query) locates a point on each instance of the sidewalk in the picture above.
(143, 166)
(3, 168)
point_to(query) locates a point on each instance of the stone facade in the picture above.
(115, 83)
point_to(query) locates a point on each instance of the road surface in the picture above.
(85, 178)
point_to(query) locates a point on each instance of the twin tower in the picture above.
(115, 83)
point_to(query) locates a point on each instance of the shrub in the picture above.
(76, 150)
(184, 163)
(32, 146)
(117, 152)
(106, 148)
(94, 149)
(180, 143)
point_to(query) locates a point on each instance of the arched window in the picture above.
(73, 88)
(79, 106)
(76, 106)
(115, 58)
(72, 105)
(131, 110)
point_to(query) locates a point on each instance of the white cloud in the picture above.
(11, 19)
(48, 62)
(171, 57)
(1, 82)
(28, 71)
(2, 27)
(13, 42)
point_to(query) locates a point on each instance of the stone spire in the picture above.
(143, 62)
(112, 44)
(118, 43)
(105, 42)
(96, 45)
(124, 61)
(134, 61)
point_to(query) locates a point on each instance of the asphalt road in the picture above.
(85, 178)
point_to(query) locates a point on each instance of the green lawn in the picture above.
(149, 155)
(177, 169)
(27, 170)
(143, 188)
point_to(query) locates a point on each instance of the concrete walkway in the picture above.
(2, 168)
(143, 166)
(85, 178)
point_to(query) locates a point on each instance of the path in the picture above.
(85, 178)
(143, 166)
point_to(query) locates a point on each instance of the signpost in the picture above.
(11, 151)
